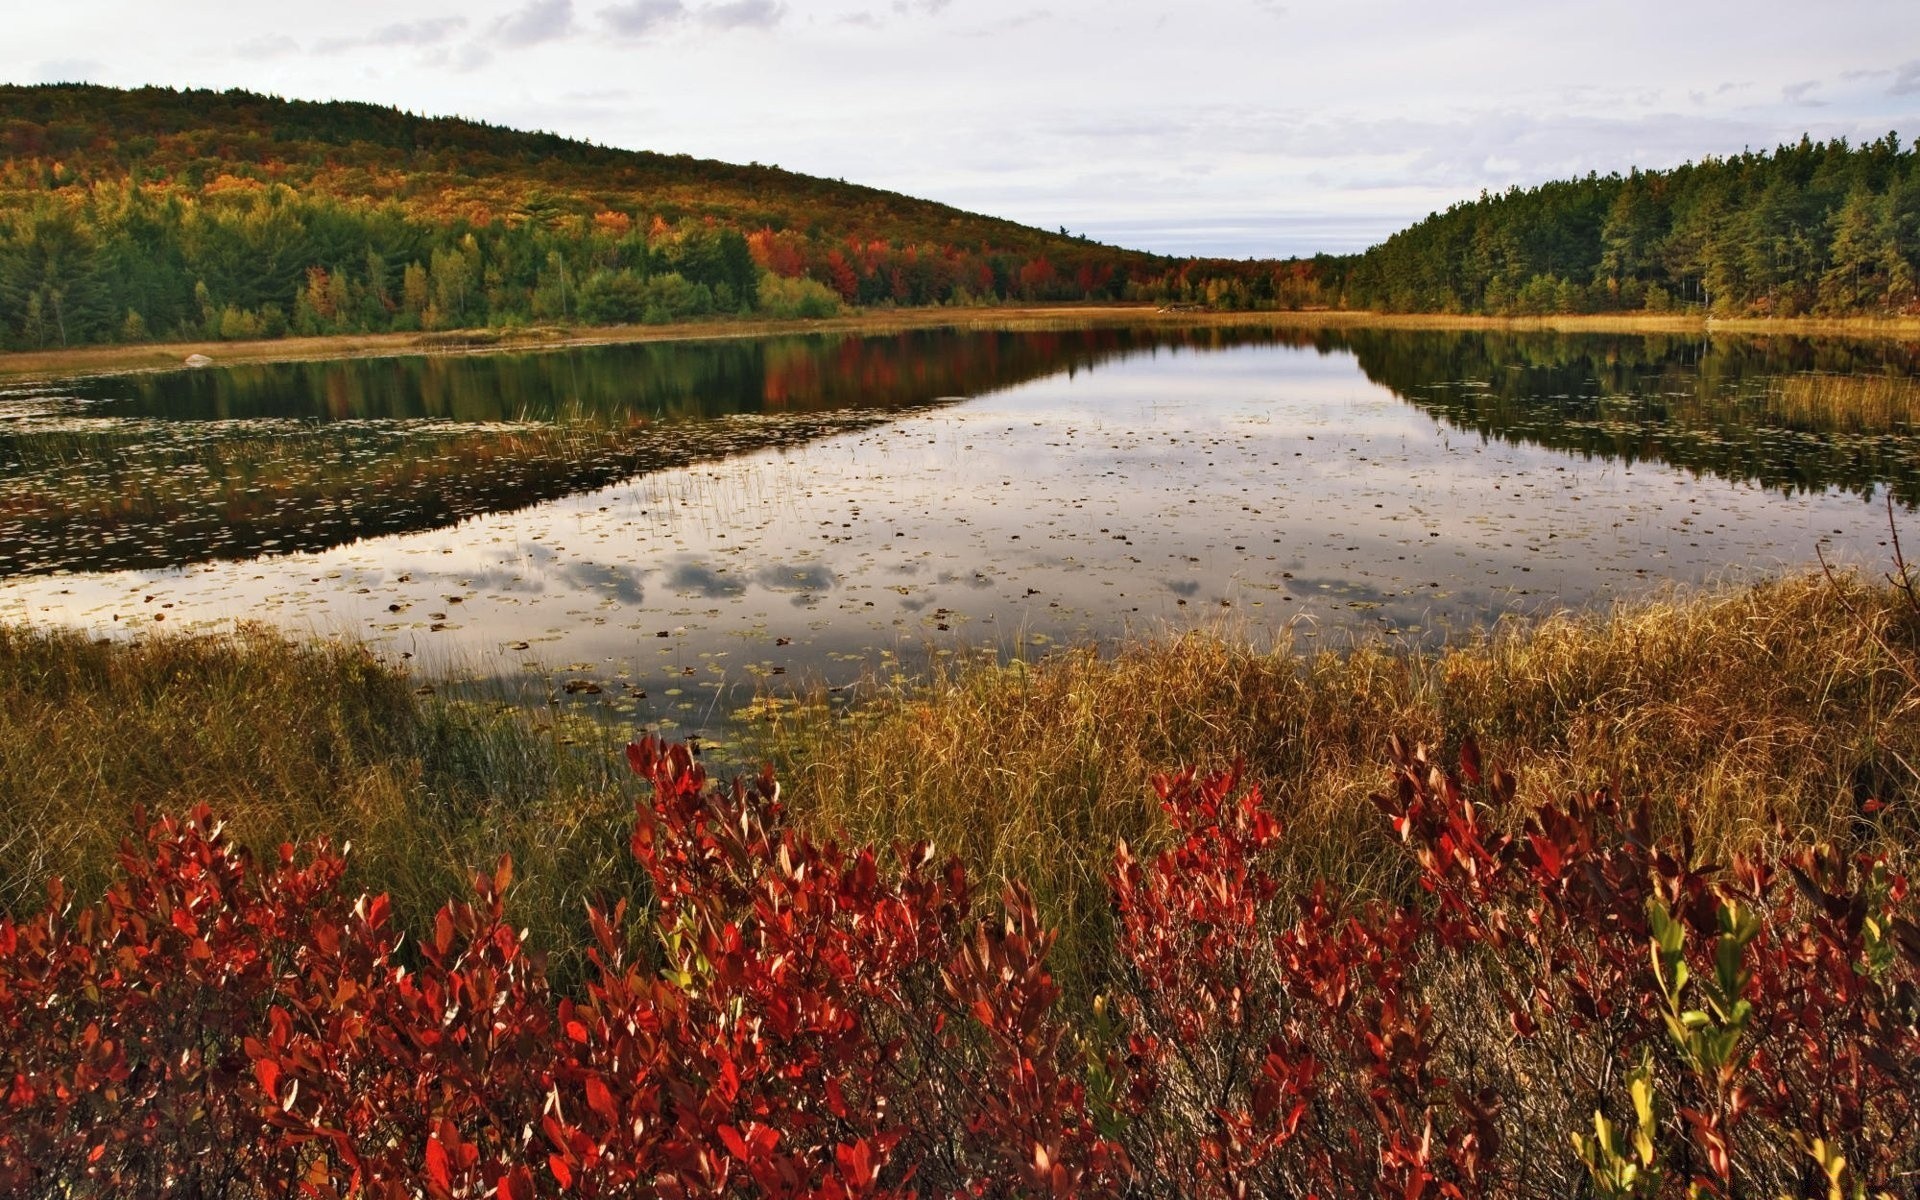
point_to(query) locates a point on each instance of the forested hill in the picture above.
(1818, 227)
(127, 215)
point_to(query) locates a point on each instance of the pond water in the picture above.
(672, 529)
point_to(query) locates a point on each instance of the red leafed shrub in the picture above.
(1266, 1055)
(1740, 1029)
(822, 1027)
(121, 1024)
(1573, 1008)
(1573, 1005)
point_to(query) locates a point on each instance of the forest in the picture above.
(1812, 228)
(158, 214)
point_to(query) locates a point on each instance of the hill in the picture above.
(128, 215)
(1817, 227)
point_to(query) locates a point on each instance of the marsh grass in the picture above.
(289, 742)
(1858, 403)
(1774, 712)
(1768, 712)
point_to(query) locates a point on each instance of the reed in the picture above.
(1771, 713)
(290, 742)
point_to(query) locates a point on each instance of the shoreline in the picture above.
(47, 365)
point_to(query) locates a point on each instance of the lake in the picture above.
(665, 531)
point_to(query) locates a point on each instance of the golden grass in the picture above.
(1783, 703)
(290, 742)
(1766, 712)
(1846, 403)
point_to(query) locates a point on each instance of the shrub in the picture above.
(789, 299)
(1573, 1005)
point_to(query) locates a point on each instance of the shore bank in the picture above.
(161, 356)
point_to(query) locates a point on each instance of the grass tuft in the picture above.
(290, 742)
(1770, 712)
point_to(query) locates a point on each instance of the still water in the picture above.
(672, 529)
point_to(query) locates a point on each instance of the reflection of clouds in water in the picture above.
(619, 583)
(972, 579)
(490, 579)
(1338, 588)
(696, 578)
(788, 577)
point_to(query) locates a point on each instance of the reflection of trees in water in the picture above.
(210, 465)
(231, 464)
(707, 378)
(1794, 414)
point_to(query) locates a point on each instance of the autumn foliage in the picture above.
(1572, 1004)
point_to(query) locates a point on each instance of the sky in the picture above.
(1239, 128)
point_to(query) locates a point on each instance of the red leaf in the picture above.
(561, 1171)
(518, 1185)
(1470, 760)
(856, 1163)
(735, 1144)
(439, 1170)
(600, 1100)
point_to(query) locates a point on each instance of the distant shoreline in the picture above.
(22, 365)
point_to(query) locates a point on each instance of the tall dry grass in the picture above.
(1779, 709)
(1863, 403)
(1772, 711)
(289, 742)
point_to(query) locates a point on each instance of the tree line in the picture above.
(1810, 228)
(151, 214)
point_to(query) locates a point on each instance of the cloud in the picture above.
(641, 18)
(69, 70)
(540, 21)
(1906, 80)
(272, 45)
(927, 8)
(741, 14)
(433, 31)
(1797, 93)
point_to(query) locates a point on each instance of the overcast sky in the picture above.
(1234, 127)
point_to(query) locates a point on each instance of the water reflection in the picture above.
(1093, 485)
(1796, 414)
(193, 466)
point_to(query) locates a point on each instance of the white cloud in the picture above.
(1800, 93)
(643, 18)
(539, 21)
(68, 70)
(639, 18)
(741, 14)
(269, 45)
(429, 32)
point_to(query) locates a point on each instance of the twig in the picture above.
(1903, 579)
(1900, 664)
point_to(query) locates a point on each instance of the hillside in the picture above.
(1817, 227)
(155, 213)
